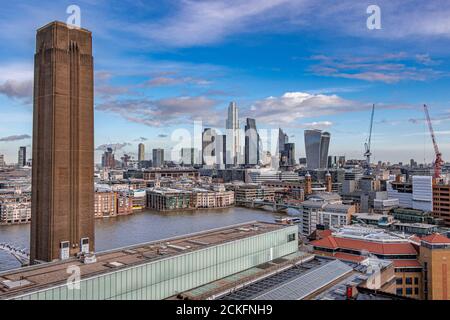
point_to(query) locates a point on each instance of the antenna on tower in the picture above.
(367, 145)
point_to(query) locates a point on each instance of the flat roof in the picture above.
(52, 274)
(295, 283)
(62, 24)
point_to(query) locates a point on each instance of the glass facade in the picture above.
(167, 277)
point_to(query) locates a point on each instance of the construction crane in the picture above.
(368, 152)
(438, 162)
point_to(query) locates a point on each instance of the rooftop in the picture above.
(436, 239)
(62, 24)
(295, 283)
(52, 274)
(333, 242)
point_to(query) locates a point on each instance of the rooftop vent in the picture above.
(130, 251)
(179, 248)
(16, 284)
(114, 264)
(202, 243)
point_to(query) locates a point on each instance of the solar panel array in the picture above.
(294, 283)
(307, 283)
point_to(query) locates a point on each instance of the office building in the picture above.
(233, 134)
(326, 210)
(288, 158)
(189, 156)
(207, 199)
(324, 147)
(252, 143)
(22, 157)
(283, 138)
(441, 202)
(208, 147)
(221, 150)
(417, 194)
(62, 222)
(316, 146)
(141, 152)
(2, 160)
(169, 199)
(251, 192)
(108, 160)
(173, 174)
(333, 162)
(158, 158)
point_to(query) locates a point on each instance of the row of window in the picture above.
(408, 280)
(407, 291)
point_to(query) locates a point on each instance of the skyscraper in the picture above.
(158, 158)
(141, 152)
(208, 147)
(282, 140)
(62, 222)
(221, 149)
(286, 150)
(316, 146)
(22, 158)
(2, 160)
(108, 160)
(189, 156)
(289, 154)
(252, 143)
(324, 147)
(233, 134)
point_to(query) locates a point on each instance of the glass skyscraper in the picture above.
(316, 146)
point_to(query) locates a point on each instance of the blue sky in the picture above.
(160, 65)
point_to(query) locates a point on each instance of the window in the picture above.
(416, 291)
(408, 280)
(416, 281)
(408, 291)
(399, 281)
(399, 291)
(291, 237)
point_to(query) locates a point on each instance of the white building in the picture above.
(326, 213)
(419, 197)
(266, 174)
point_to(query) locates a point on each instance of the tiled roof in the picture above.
(349, 257)
(400, 248)
(436, 238)
(406, 263)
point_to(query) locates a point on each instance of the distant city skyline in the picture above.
(317, 66)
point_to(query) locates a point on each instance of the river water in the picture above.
(141, 227)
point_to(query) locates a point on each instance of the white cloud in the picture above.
(204, 22)
(167, 111)
(388, 68)
(291, 107)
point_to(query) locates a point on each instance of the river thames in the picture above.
(141, 227)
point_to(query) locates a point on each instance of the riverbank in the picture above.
(143, 227)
